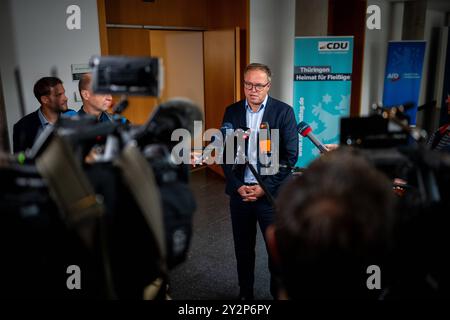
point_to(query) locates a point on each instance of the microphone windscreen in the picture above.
(264, 142)
(226, 126)
(183, 110)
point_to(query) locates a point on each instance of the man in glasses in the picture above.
(50, 93)
(248, 202)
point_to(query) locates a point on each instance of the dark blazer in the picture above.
(25, 132)
(278, 115)
(104, 117)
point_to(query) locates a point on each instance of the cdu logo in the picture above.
(334, 46)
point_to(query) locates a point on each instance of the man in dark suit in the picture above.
(50, 93)
(248, 202)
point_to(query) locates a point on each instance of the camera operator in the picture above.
(332, 223)
(111, 218)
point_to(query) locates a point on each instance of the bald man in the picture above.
(94, 104)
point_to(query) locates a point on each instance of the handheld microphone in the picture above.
(265, 145)
(305, 131)
(227, 132)
(224, 130)
(243, 135)
(226, 126)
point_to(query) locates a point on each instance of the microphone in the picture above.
(226, 126)
(217, 145)
(169, 116)
(227, 132)
(120, 106)
(243, 135)
(305, 131)
(265, 145)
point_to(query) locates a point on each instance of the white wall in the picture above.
(40, 44)
(8, 60)
(375, 51)
(396, 20)
(272, 32)
(311, 18)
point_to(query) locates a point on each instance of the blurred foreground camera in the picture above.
(140, 76)
(104, 197)
(420, 179)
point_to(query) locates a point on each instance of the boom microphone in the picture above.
(305, 131)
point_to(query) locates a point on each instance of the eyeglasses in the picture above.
(258, 87)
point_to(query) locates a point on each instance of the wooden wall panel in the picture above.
(347, 18)
(220, 68)
(227, 13)
(133, 42)
(221, 63)
(103, 32)
(179, 13)
(182, 56)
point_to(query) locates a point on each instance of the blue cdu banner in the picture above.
(322, 87)
(403, 75)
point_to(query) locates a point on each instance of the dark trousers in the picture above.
(244, 216)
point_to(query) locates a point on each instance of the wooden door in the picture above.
(181, 53)
(132, 42)
(222, 76)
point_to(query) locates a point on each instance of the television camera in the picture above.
(420, 179)
(123, 217)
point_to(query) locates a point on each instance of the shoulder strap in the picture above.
(139, 177)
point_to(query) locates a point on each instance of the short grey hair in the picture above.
(259, 66)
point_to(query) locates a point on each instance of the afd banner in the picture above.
(403, 75)
(322, 87)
